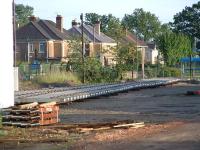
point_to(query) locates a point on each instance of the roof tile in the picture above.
(41, 29)
(89, 35)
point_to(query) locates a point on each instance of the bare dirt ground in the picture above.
(172, 121)
(36, 138)
(154, 105)
(173, 136)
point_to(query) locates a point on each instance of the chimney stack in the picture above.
(74, 23)
(32, 18)
(97, 27)
(59, 23)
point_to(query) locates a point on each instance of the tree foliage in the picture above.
(114, 28)
(143, 23)
(188, 21)
(165, 28)
(110, 25)
(174, 46)
(94, 71)
(91, 18)
(23, 13)
(126, 57)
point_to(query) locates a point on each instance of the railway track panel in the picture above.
(70, 94)
(30, 93)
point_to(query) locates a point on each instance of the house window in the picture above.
(31, 48)
(42, 47)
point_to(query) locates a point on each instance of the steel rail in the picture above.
(63, 95)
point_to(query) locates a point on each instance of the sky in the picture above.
(71, 9)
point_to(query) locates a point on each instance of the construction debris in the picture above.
(32, 114)
(193, 92)
(28, 106)
(132, 125)
(84, 128)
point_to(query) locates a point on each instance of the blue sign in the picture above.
(187, 59)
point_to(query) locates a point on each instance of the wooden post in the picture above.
(82, 38)
(190, 67)
(142, 51)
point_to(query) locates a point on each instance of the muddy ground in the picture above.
(172, 121)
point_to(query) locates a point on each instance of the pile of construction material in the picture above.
(32, 114)
(193, 92)
(93, 127)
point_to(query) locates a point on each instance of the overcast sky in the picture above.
(71, 9)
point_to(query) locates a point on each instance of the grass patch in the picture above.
(2, 132)
(58, 78)
(28, 85)
(0, 119)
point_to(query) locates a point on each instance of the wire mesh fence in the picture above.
(28, 71)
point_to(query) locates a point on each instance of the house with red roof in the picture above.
(42, 39)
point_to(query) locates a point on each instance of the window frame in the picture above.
(40, 43)
(31, 47)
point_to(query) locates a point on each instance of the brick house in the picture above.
(97, 44)
(43, 39)
(132, 38)
(149, 50)
(141, 47)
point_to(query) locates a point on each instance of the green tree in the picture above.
(110, 25)
(165, 28)
(75, 55)
(143, 23)
(126, 57)
(188, 21)
(94, 71)
(23, 13)
(174, 46)
(91, 18)
(114, 29)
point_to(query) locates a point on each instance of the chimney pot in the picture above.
(32, 18)
(59, 23)
(74, 23)
(98, 21)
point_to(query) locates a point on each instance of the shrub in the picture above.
(169, 72)
(109, 74)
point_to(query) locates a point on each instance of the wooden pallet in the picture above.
(49, 115)
(32, 114)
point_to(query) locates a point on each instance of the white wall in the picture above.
(151, 56)
(154, 56)
(6, 59)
